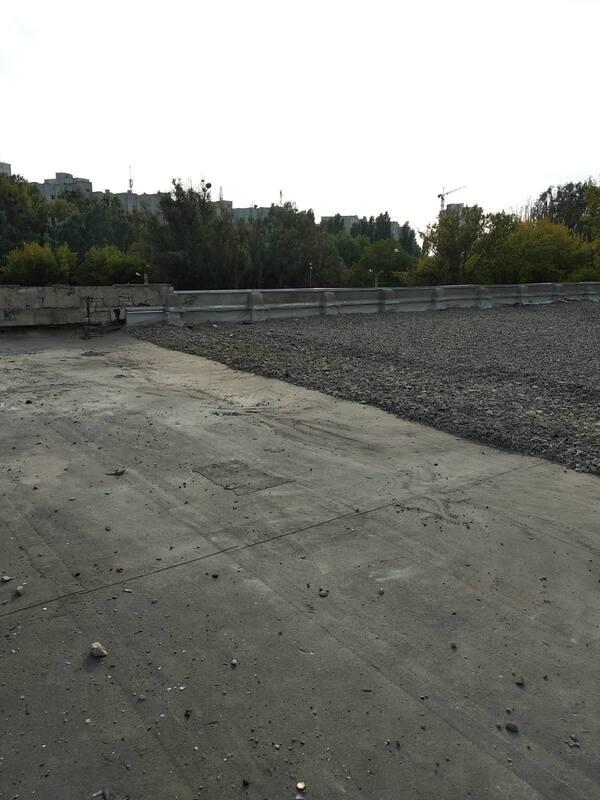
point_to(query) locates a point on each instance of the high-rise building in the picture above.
(348, 221)
(351, 219)
(63, 182)
(457, 209)
(131, 201)
(251, 214)
(5, 168)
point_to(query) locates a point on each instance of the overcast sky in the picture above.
(345, 106)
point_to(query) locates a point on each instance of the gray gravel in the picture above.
(524, 379)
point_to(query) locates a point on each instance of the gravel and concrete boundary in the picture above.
(526, 379)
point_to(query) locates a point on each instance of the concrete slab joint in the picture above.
(591, 291)
(386, 297)
(329, 305)
(557, 291)
(523, 294)
(483, 297)
(256, 306)
(438, 295)
(173, 317)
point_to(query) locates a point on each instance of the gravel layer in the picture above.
(524, 379)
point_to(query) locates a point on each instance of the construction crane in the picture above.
(443, 194)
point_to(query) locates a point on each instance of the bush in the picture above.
(547, 251)
(34, 264)
(585, 274)
(106, 265)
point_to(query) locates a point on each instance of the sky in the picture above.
(344, 106)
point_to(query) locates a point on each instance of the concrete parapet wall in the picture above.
(142, 304)
(72, 305)
(256, 306)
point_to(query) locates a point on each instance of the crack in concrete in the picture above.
(349, 514)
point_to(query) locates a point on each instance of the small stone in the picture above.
(234, 663)
(520, 682)
(187, 713)
(6, 578)
(98, 650)
(300, 786)
(453, 645)
(323, 592)
(381, 590)
(19, 591)
(512, 727)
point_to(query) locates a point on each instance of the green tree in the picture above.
(494, 257)
(327, 266)
(350, 248)
(568, 205)
(23, 215)
(448, 243)
(66, 261)
(364, 227)
(106, 265)
(180, 242)
(34, 264)
(60, 210)
(83, 222)
(408, 240)
(231, 248)
(335, 225)
(382, 229)
(293, 243)
(547, 251)
(381, 264)
(591, 220)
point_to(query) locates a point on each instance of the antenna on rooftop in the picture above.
(281, 197)
(130, 180)
(220, 194)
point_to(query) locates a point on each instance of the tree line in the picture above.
(195, 243)
(558, 240)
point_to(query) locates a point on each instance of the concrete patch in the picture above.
(240, 478)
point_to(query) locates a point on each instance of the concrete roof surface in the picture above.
(290, 588)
